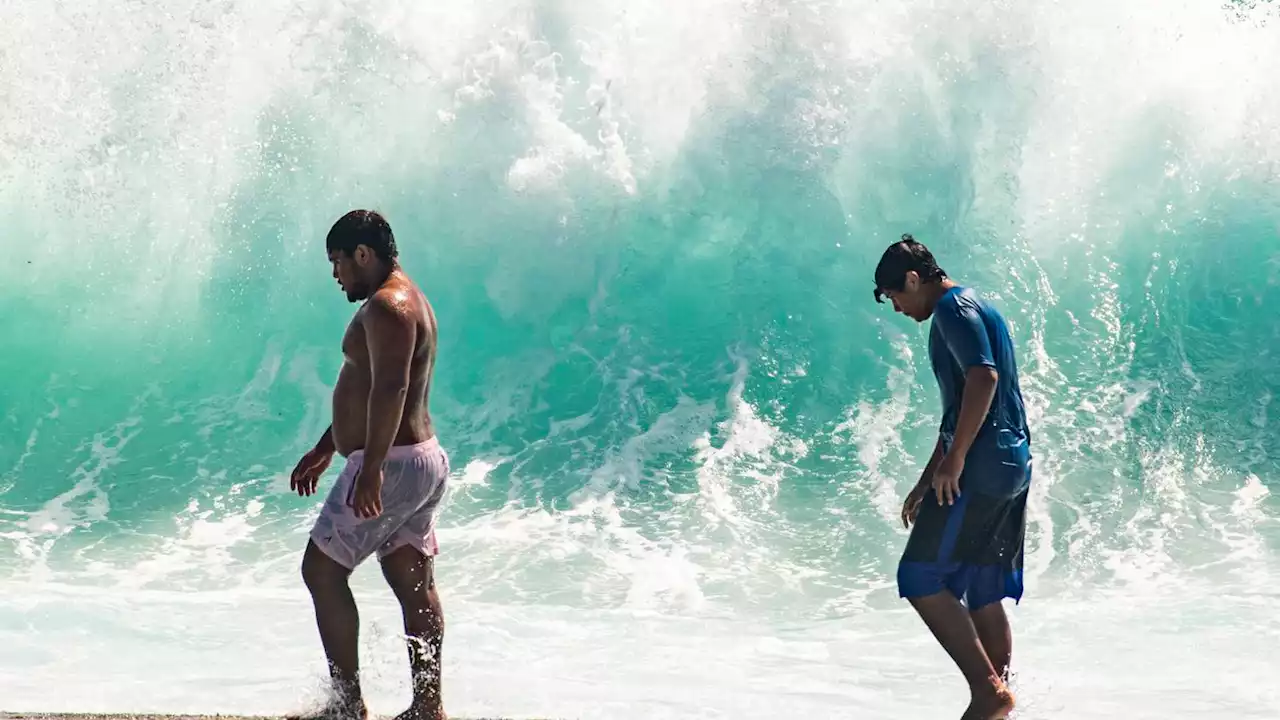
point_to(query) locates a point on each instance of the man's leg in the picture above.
(996, 575)
(951, 625)
(339, 625)
(993, 629)
(411, 576)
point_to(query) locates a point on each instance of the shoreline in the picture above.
(4, 715)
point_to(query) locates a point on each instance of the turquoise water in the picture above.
(681, 427)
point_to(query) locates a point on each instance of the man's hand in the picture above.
(946, 479)
(306, 474)
(367, 500)
(911, 506)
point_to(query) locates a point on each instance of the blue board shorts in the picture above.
(972, 548)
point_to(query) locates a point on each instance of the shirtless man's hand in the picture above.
(367, 499)
(306, 474)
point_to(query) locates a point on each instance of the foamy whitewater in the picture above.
(681, 427)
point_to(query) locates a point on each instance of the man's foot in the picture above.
(421, 711)
(336, 711)
(993, 702)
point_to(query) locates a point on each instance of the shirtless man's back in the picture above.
(396, 473)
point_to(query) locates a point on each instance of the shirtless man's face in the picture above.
(350, 272)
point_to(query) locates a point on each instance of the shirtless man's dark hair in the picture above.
(396, 473)
(362, 227)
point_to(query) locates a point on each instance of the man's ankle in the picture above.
(991, 683)
(347, 694)
(427, 701)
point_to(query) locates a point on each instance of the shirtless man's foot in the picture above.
(422, 711)
(337, 709)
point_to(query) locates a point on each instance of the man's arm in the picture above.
(306, 474)
(966, 336)
(931, 467)
(390, 334)
(325, 443)
(911, 506)
(979, 390)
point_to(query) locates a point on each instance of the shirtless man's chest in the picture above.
(355, 382)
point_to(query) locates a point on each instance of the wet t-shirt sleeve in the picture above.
(964, 333)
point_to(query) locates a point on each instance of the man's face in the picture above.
(347, 271)
(911, 300)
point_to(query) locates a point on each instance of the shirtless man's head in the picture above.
(363, 251)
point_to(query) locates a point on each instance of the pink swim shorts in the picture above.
(414, 480)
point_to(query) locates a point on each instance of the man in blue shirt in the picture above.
(964, 555)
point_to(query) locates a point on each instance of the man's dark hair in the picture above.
(362, 227)
(901, 258)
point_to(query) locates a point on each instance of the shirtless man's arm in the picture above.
(390, 333)
(306, 474)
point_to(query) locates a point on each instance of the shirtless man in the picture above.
(964, 555)
(395, 475)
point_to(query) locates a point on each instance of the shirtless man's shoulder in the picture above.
(397, 308)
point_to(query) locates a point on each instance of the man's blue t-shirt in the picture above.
(967, 332)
